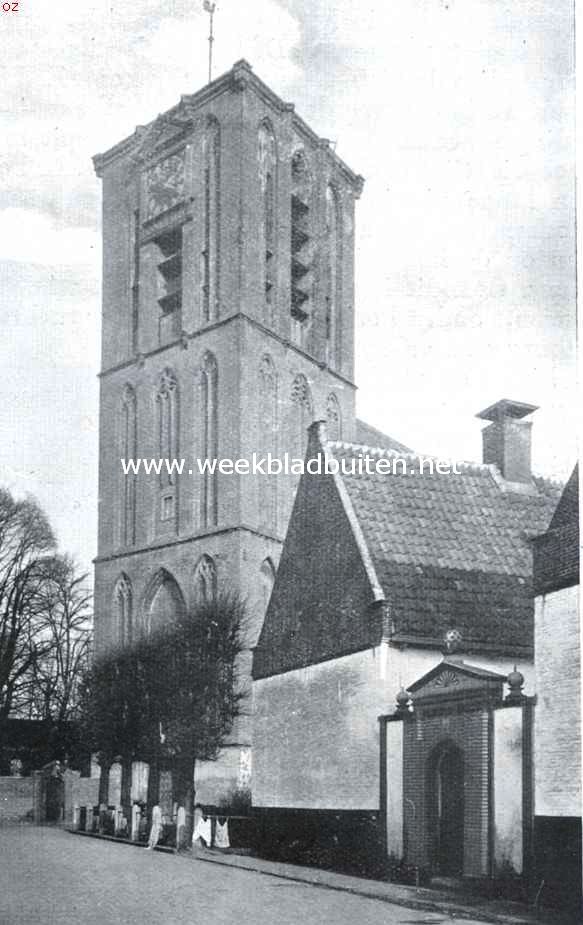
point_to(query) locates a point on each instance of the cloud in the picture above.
(457, 112)
(32, 237)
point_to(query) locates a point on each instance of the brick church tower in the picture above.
(227, 327)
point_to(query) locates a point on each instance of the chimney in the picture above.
(506, 441)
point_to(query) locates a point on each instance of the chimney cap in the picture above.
(505, 408)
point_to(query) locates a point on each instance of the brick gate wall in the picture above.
(15, 798)
(423, 732)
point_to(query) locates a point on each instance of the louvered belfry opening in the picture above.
(169, 247)
(300, 239)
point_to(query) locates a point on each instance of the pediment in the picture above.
(453, 677)
(164, 131)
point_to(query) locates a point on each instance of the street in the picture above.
(50, 877)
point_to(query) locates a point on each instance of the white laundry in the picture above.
(156, 830)
(222, 835)
(203, 831)
(180, 824)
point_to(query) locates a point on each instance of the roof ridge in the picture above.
(412, 455)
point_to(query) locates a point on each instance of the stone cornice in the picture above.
(239, 79)
(185, 337)
(181, 540)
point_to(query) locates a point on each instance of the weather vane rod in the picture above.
(210, 8)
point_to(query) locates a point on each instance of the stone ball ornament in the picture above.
(452, 641)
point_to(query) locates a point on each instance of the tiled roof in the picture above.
(451, 550)
(556, 552)
(369, 435)
(567, 511)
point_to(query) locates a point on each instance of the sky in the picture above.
(458, 113)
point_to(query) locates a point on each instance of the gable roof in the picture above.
(368, 435)
(436, 552)
(450, 550)
(556, 552)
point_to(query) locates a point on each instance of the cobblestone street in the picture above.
(49, 877)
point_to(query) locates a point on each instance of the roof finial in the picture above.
(210, 9)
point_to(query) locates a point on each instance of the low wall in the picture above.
(15, 798)
(79, 791)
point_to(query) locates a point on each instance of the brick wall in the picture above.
(557, 721)
(15, 798)
(423, 735)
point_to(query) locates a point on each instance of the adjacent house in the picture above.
(557, 728)
(369, 744)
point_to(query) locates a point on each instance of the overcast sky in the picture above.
(459, 113)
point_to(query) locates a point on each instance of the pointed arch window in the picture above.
(268, 178)
(268, 442)
(301, 400)
(128, 451)
(122, 607)
(167, 411)
(205, 581)
(211, 220)
(208, 405)
(164, 601)
(333, 276)
(333, 418)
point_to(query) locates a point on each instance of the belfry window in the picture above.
(301, 244)
(267, 173)
(169, 253)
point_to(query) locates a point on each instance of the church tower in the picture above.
(227, 327)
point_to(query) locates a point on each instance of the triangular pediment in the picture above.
(163, 131)
(454, 676)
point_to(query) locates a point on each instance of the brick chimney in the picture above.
(506, 441)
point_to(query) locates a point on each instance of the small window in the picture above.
(167, 507)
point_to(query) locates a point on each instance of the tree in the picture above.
(172, 697)
(64, 615)
(25, 540)
(202, 695)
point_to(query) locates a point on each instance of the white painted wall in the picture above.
(316, 730)
(508, 787)
(557, 727)
(394, 772)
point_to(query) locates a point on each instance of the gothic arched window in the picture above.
(333, 418)
(164, 601)
(167, 408)
(301, 399)
(211, 220)
(128, 451)
(268, 178)
(333, 275)
(267, 442)
(208, 405)
(122, 608)
(204, 581)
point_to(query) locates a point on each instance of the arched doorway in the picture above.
(446, 809)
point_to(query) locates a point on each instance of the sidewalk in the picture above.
(450, 902)
(428, 900)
